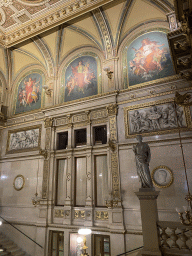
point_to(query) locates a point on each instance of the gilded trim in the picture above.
(167, 169)
(19, 176)
(21, 130)
(153, 103)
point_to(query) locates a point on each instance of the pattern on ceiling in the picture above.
(20, 19)
(16, 12)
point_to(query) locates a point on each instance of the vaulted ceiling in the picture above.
(23, 19)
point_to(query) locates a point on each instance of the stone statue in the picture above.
(142, 157)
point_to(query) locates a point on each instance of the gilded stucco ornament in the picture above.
(5, 3)
(33, 2)
(48, 122)
(112, 109)
(162, 176)
(19, 182)
(2, 16)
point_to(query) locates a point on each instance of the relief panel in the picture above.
(25, 139)
(155, 118)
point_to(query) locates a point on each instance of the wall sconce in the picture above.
(36, 200)
(109, 72)
(43, 153)
(47, 90)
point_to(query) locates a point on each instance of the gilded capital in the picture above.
(112, 109)
(48, 122)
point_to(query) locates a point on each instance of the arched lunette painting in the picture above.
(28, 95)
(148, 58)
(81, 78)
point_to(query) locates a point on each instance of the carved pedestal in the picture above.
(149, 218)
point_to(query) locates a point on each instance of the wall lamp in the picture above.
(108, 71)
(47, 89)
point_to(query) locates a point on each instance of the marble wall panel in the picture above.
(168, 154)
(20, 199)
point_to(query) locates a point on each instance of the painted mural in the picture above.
(29, 93)
(148, 58)
(81, 78)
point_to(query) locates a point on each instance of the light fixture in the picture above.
(47, 89)
(79, 240)
(84, 231)
(36, 199)
(108, 71)
(185, 213)
(1, 222)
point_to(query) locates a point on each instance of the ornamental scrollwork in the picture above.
(48, 122)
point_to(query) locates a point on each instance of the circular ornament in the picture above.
(162, 176)
(33, 2)
(19, 182)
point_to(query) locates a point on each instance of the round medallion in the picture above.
(162, 176)
(19, 182)
(33, 2)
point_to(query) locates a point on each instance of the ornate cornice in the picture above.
(62, 12)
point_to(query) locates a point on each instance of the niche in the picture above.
(62, 140)
(80, 137)
(100, 134)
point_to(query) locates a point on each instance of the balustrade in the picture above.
(175, 238)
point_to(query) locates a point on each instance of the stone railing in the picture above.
(176, 239)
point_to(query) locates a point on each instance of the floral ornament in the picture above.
(2, 16)
(5, 3)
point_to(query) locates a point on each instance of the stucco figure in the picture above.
(142, 157)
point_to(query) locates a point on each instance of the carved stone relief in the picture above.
(155, 118)
(59, 213)
(101, 215)
(79, 214)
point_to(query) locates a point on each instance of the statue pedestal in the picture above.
(149, 218)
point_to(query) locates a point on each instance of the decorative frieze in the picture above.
(112, 127)
(79, 118)
(101, 215)
(98, 114)
(79, 214)
(62, 121)
(82, 119)
(156, 117)
(45, 178)
(59, 213)
(24, 139)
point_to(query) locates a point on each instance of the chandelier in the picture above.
(185, 214)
